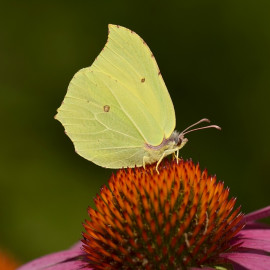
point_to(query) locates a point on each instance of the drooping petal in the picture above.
(204, 268)
(64, 260)
(71, 265)
(238, 267)
(258, 244)
(259, 214)
(256, 225)
(257, 234)
(249, 261)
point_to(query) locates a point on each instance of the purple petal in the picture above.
(257, 234)
(238, 267)
(256, 225)
(250, 261)
(259, 214)
(253, 244)
(204, 268)
(63, 260)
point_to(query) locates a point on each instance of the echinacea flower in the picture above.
(179, 219)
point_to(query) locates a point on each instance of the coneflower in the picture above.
(180, 218)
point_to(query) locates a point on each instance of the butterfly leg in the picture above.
(165, 153)
(176, 155)
(145, 161)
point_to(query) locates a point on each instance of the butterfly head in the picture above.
(179, 138)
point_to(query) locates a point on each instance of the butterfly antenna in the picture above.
(197, 123)
(211, 126)
(188, 129)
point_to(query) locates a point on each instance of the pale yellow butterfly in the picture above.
(118, 112)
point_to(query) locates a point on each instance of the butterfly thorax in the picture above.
(168, 146)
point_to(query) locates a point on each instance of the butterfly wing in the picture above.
(114, 107)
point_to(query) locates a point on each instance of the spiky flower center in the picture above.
(178, 218)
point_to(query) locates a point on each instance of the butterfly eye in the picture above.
(180, 139)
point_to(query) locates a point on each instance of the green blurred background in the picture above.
(215, 59)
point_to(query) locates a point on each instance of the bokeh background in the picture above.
(215, 59)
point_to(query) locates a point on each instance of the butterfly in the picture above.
(118, 112)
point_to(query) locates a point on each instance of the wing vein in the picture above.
(116, 131)
(123, 58)
(129, 117)
(107, 148)
(115, 161)
(128, 88)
